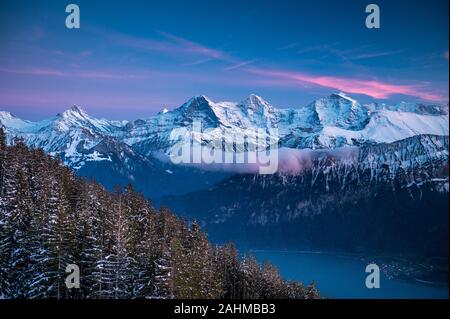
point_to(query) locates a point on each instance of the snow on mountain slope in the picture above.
(71, 135)
(341, 111)
(418, 108)
(15, 124)
(76, 117)
(389, 126)
(329, 122)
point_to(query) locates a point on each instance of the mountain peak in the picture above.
(74, 111)
(198, 107)
(6, 115)
(342, 95)
(197, 102)
(201, 98)
(254, 96)
(255, 102)
(341, 111)
(75, 108)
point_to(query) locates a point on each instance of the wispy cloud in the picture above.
(370, 55)
(174, 45)
(34, 71)
(354, 54)
(89, 74)
(116, 74)
(288, 46)
(374, 88)
(198, 62)
(240, 65)
(193, 47)
(168, 44)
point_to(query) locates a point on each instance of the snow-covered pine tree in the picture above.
(273, 286)
(251, 283)
(58, 236)
(201, 271)
(229, 265)
(163, 282)
(147, 250)
(17, 210)
(124, 247)
(3, 151)
(88, 236)
(115, 269)
(3, 213)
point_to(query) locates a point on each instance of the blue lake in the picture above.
(343, 276)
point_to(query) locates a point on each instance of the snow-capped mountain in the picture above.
(376, 177)
(90, 147)
(327, 123)
(72, 135)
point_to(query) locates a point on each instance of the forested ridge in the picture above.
(124, 247)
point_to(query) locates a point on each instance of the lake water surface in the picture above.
(343, 276)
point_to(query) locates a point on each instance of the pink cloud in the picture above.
(103, 75)
(373, 88)
(171, 44)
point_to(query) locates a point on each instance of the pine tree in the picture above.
(251, 282)
(230, 266)
(3, 152)
(147, 252)
(4, 243)
(17, 214)
(49, 218)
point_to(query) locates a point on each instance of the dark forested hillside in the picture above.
(393, 200)
(124, 248)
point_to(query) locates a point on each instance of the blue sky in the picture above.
(131, 59)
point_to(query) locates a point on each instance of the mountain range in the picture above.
(370, 177)
(327, 123)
